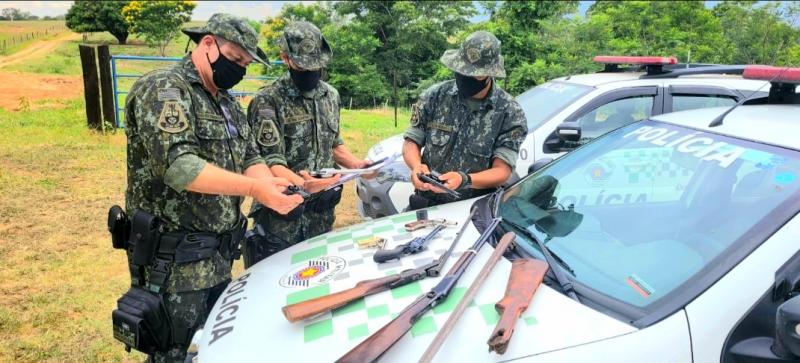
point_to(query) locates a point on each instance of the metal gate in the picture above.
(119, 104)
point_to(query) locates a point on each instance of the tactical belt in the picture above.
(150, 247)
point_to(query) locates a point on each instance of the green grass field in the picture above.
(13, 33)
(60, 277)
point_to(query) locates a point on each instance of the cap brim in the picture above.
(456, 62)
(195, 34)
(259, 56)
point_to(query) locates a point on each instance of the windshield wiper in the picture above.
(564, 282)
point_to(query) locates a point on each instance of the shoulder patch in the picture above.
(169, 94)
(172, 118)
(268, 134)
(415, 114)
(266, 112)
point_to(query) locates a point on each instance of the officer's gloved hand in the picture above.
(418, 184)
(315, 185)
(269, 192)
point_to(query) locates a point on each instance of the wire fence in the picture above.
(21, 38)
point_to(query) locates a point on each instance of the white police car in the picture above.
(700, 263)
(597, 103)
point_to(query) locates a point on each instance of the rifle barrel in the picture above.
(379, 342)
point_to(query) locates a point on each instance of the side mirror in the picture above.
(569, 131)
(787, 329)
(539, 164)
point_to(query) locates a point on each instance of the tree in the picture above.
(412, 36)
(11, 13)
(760, 33)
(685, 29)
(158, 21)
(87, 16)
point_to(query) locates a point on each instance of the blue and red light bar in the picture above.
(771, 73)
(647, 61)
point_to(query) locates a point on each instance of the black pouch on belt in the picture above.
(140, 321)
(119, 226)
(327, 200)
(195, 247)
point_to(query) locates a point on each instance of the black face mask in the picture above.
(469, 86)
(305, 80)
(227, 73)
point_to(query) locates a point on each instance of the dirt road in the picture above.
(19, 90)
(37, 49)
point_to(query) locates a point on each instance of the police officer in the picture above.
(191, 160)
(296, 126)
(470, 129)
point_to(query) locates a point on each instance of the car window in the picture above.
(642, 212)
(613, 115)
(683, 102)
(542, 102)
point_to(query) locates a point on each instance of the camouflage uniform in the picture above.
(466, 135)
(298, 130)
(174, 127)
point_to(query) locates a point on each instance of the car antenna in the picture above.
(718, 120)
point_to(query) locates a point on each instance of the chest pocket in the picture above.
(212, 135)
(298, 132)
(440, 134)
(480, 148)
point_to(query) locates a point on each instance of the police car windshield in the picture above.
(542, 102)
(642, 212)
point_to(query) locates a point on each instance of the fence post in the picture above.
(106, 90)
(91, 89)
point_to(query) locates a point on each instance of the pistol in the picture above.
(435, 181)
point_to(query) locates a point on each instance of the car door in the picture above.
(715, 315)
(690, 97)
(608, 112)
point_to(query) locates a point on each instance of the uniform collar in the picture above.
(292, 90)
(486, 103)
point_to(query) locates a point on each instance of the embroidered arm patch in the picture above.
(172, 118)
(268, 134)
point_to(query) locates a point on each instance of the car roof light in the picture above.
(783, 81)
(611, 59)
(772, 74)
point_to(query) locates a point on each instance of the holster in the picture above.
(326, 200)
(141, 321)
(416, 201)
(260, 244)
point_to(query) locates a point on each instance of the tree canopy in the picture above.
(87, 16)
(377, 44)
(158, 22)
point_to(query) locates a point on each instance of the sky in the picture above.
(256, 10)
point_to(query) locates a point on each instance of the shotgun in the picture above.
(501, 248)
(526, 276)
(313, 307)
(378, 343)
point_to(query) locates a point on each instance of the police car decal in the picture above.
(704, 147)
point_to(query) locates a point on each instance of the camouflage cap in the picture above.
(304, 44)
(479, 55)
(231, 28)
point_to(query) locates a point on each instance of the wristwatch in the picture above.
(466, 181)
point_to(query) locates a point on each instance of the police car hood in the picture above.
(247, 324)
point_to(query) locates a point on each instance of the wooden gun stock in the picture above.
(309, 308)
(526, 276)
(378, 343)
